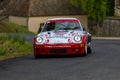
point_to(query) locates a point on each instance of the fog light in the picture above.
(76, 50)
(81, 45)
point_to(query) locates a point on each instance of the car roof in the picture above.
(63, 19)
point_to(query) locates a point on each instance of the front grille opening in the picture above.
(55, 51)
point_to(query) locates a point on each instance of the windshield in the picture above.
(62, 25)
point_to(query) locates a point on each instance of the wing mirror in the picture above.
(84, 29)
(41, 27)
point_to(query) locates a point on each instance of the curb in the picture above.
(107, 38)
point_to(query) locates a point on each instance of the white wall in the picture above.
(19, 20)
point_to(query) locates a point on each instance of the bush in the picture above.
(14, 44)
(8, 27)
(2, 51)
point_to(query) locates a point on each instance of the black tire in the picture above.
(36, 56)
(89, 50)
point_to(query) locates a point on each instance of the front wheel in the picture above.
(36, 56)
(89, 48)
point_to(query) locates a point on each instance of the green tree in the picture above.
(96, 9)
(111, 5)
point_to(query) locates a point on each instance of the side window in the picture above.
(40, 28)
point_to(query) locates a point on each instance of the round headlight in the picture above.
(77, 38)
(39, 39)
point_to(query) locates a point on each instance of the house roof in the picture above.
(53, 7)
(41, 8)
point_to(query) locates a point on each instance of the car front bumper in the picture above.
(59, 49)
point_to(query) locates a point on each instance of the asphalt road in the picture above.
(102, 64)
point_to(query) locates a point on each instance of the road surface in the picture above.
(102, 64)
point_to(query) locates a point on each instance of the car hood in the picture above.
(58, 37)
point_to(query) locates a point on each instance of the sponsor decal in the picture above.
(60, 32)
(58, 46)
(58, 36)
(73, 34)
(46, 35)
(70, 41)
(46, 41)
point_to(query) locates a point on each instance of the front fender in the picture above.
(84, 39)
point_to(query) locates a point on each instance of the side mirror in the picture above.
(84, 29)
(40, 28)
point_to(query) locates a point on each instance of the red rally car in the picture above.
(62, 36)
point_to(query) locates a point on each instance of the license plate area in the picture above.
(57, 51)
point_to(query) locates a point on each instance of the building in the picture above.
(111, 25)
(117, 7)
(32, 13)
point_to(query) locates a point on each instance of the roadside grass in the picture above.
(14, 46)
(8, 27)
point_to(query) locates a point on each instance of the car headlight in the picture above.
(39, 39)
(77, 38)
